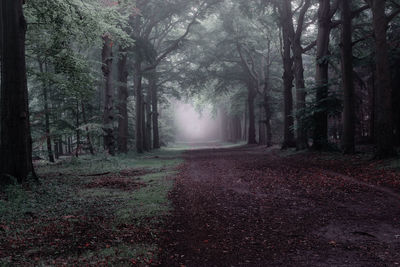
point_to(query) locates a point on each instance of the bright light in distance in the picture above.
(193, 126)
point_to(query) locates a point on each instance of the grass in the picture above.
(78, 217)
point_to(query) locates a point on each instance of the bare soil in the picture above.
(250, 206)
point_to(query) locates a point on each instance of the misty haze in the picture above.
(200, 133)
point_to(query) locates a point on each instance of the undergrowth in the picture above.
(89, 210)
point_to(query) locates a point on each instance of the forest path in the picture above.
(248, 206)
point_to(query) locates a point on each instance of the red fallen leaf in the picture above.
(205, 241)
(87, 244)
(133, 261)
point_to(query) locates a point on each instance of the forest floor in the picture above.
(89, 211)
(225, 206)
(252, 206)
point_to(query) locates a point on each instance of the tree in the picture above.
(384, 115)
(108, 116)
(325, 14)
(285, 15)
(297, 49)
(16, 142)
(122, 100)
(348, 144)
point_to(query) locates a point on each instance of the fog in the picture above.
(195, 126)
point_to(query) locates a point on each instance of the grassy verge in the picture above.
(88, 211)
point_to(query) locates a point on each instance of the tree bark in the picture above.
(122, 101)
(143, 107)
(348, 145)
(301, 138)
(16, 141)
(286, 24)
(288, 136)
(262, 137)
(148, 118)
(88, 139)
(139, 109)
(267, 110)
(321, 77)
(78, 132)
(108, 115)
(46, 114)
(252, 118)
(154, 104)
(384, 113)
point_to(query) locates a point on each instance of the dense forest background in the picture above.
(98, 76)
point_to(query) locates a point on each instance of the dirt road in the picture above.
(247, 206)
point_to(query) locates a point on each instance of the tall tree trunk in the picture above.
(154, 105)
(262, 138)
(108, 115)
(294, 40)
(46, 114)
(245, 121)
(348, 145)
(384, 113)
(69, 144)
(56, 152)
(15, 136)
(144, 133)
(139, 109)
(267, 110)
(301, 142)
(122, 101)
(108, 94)
(148, 118)
(88, 139)
(60, 146)
(252, 117)
(78, 132)
(288, 136)
(321, 77)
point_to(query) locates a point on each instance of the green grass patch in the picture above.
(71, 205)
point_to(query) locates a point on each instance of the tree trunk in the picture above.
(262, 136)
(60, 146)
(88, 139)
(78, 132)
(69, 144)
(288, 137)
(154, 104)
(139, 109)
(384, 115)
(122, 101)
(268, 114)
(46, 114)
(144, 133)
(16, 141)
(252, 117)
(301, 141)
(321, 77)
(148, 118)
(348, 145)
(245, 121)
(108, 115)
(56, 152)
